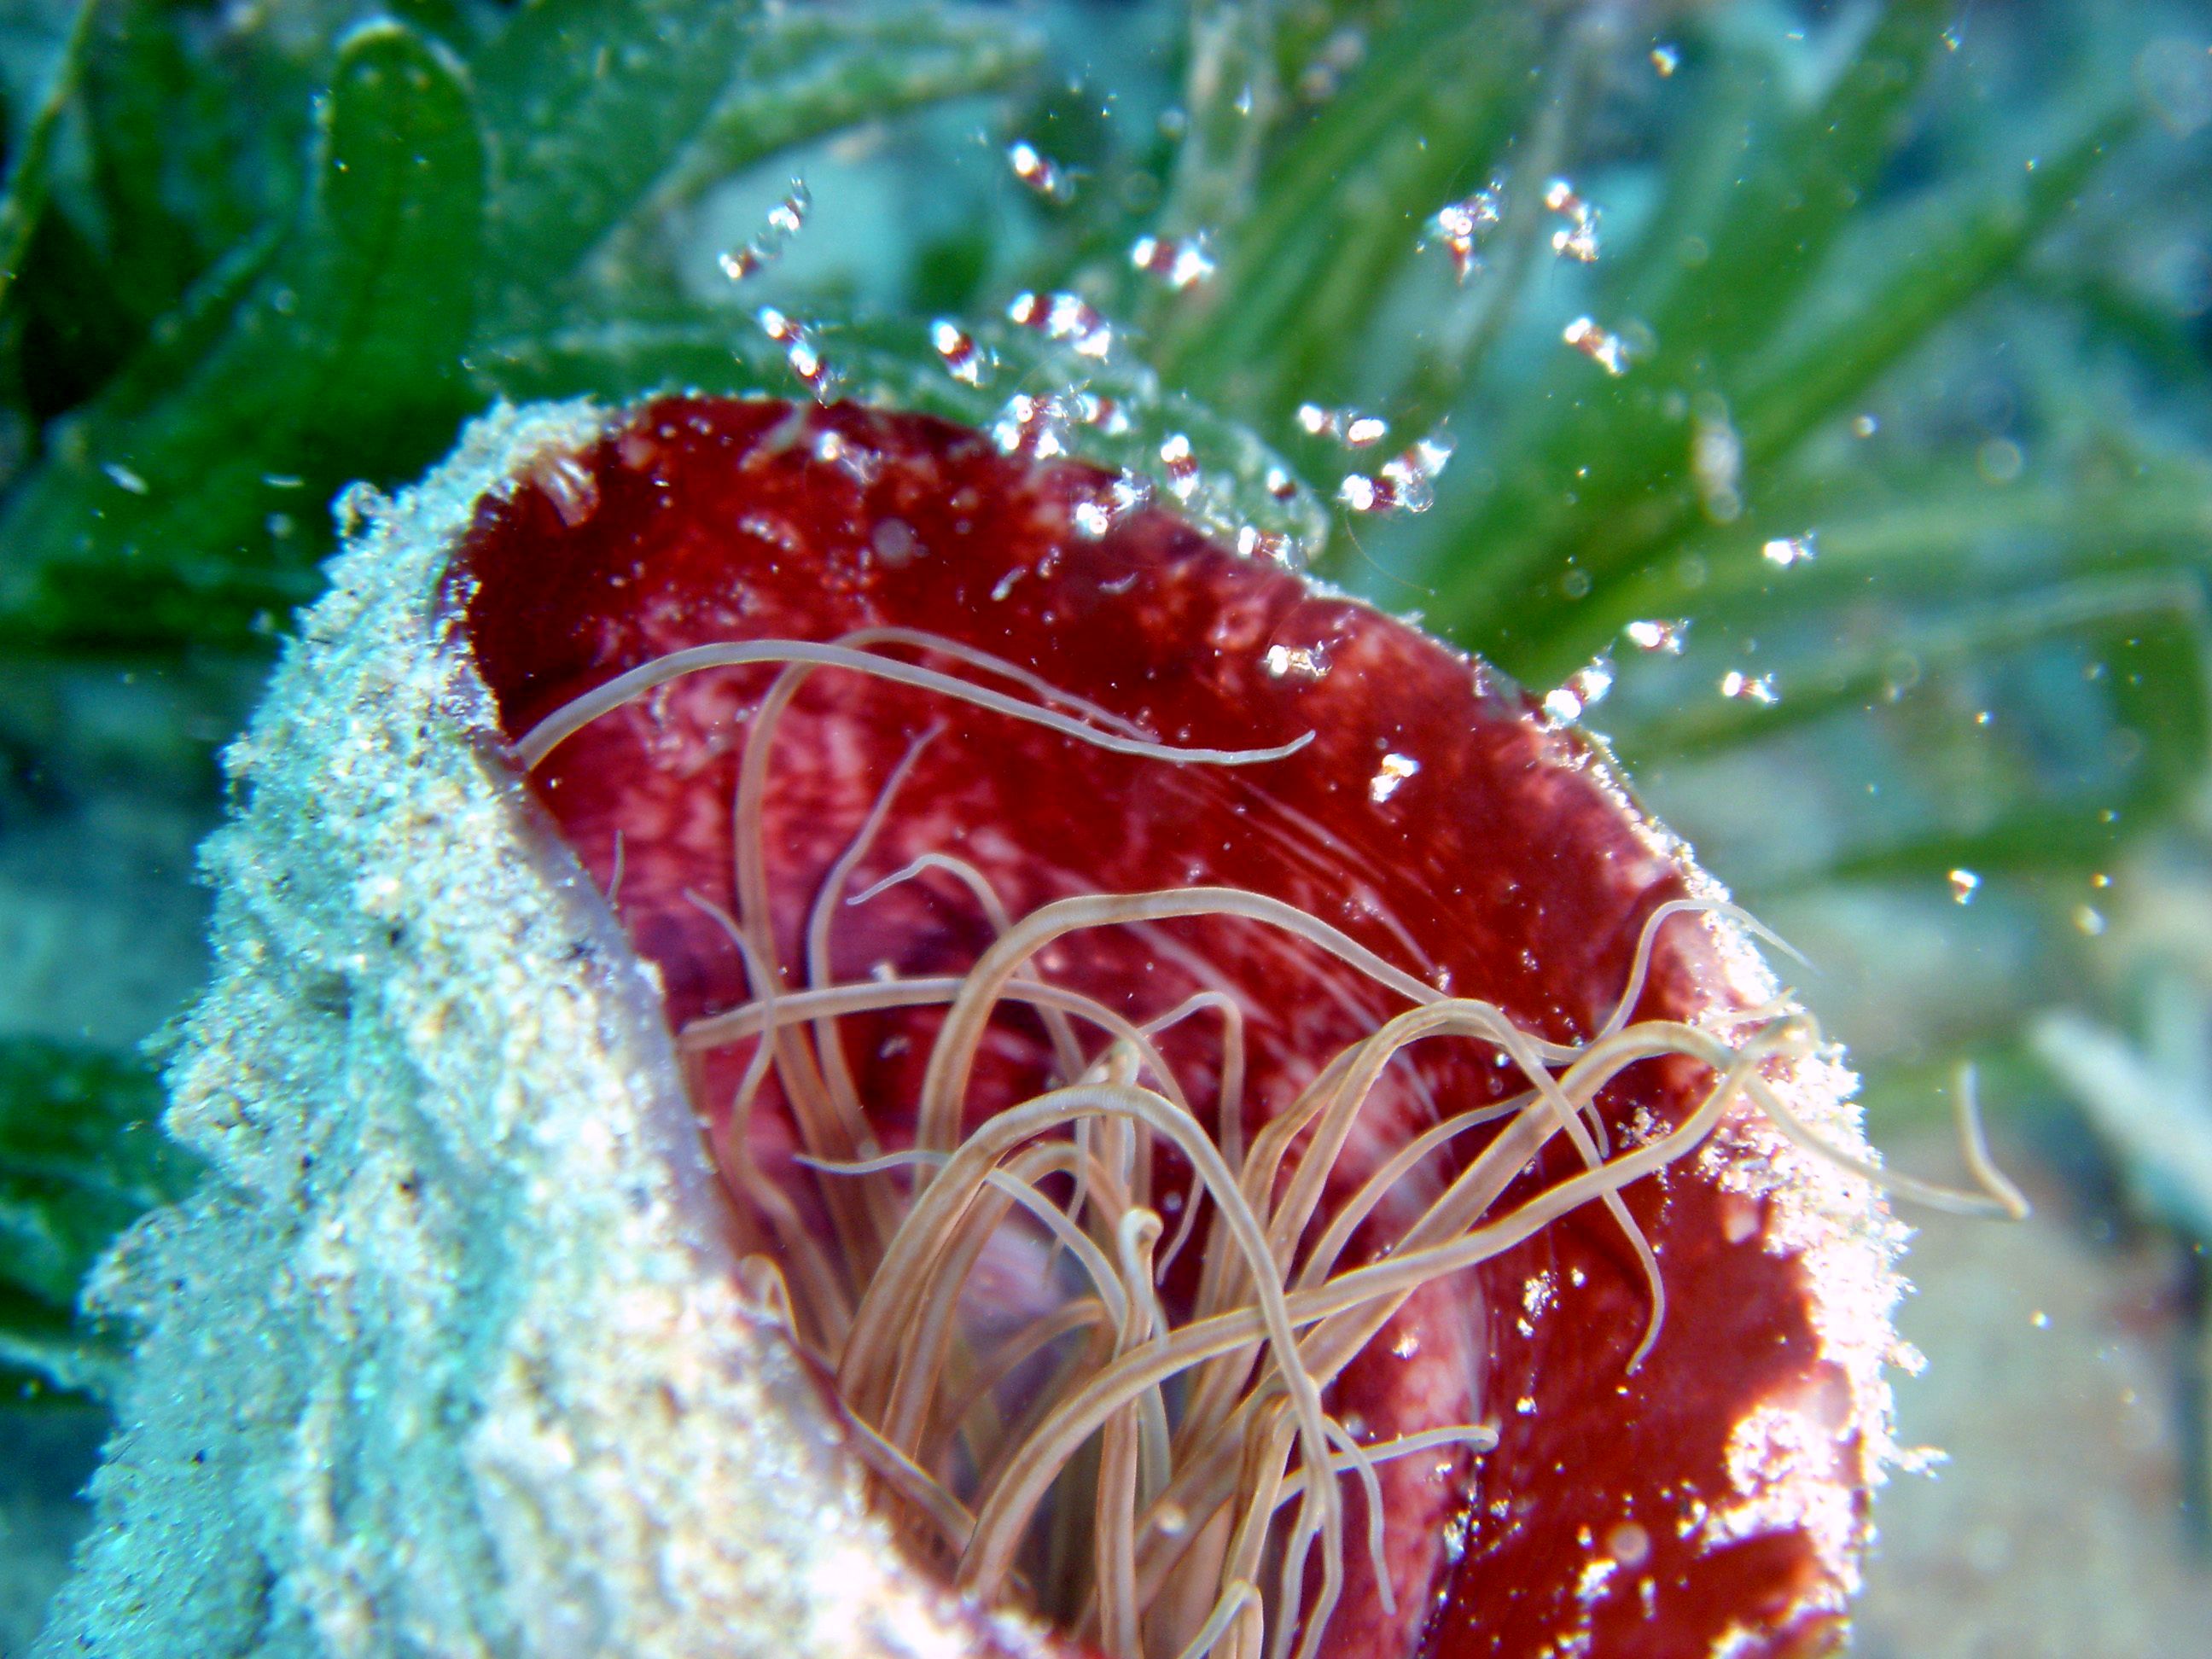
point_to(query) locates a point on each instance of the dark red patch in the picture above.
(1502, 868)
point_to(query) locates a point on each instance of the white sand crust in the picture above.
(446, 1356)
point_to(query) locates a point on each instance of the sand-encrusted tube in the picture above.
(447, 1356)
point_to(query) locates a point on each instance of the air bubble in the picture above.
(1999, 461)
(1271, 544)
(1760, 691)
(1392, 773)
(1284, 661)
(1661, 636)
(1459, 227)
(1036, 170)
(894, 542)
(1600, 345)
(1181, 465)
(963, 359)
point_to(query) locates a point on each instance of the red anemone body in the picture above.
(1710, 1501)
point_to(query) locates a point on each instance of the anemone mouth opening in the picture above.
(1162, 1243)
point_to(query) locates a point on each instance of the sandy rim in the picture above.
(446, 1357)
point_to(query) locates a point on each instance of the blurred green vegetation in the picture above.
(1911, 447)
(81, 1157)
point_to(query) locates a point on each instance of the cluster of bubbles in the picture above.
(801, 352)
(1576, 240)
(785, 220)
(1276, 546)
(1459, 227)
(1181, 262)
(1588, 685)
(1127, 493)
(1067, 318)
(1404, 483)
(1347, 426)
(1043, 425)
(1039, 426)
(1585, 690)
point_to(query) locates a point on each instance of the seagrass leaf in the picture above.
(586, 103)
(1937, 260)
(808, 74)
(24, 198)
(81, 1156)
(192, 500)
(1796, 192)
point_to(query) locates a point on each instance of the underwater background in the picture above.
(1813, 400)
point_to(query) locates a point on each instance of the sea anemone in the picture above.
(1234, 1133)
